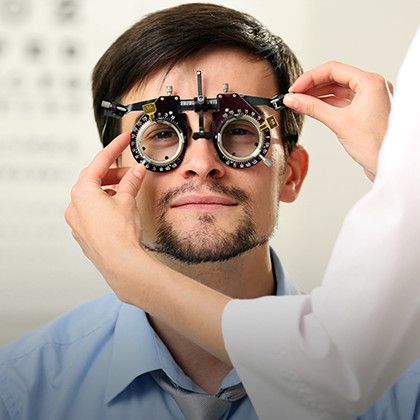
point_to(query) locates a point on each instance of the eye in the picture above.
(239, 131)
(164, 134)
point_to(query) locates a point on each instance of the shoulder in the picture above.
(94, 317)
(401, 401)
(414, 370)
(33, 367)
(407, 387)
(408, 384)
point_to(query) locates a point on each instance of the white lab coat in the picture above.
(332, 353)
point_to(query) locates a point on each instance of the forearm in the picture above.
(191, 308)
(333, 352)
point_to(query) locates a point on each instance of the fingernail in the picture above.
(290, 101)
(138, 171)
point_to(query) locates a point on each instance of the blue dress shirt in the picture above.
(94, 363)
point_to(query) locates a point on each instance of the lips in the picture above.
(203, 201)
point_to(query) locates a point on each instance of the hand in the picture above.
(106, 222)
(353, 103)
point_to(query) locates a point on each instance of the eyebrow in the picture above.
(265, 112)
(259, 109)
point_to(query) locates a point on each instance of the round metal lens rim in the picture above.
(261, 139)
(181, 142)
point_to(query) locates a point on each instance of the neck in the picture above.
(246, 276)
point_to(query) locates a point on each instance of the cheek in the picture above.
(153, 188)
(148, 195)
(277, 156)
(266, 202)
(147, 200)
(266, 189)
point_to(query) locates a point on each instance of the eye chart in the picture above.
(47, 135)
(42, 99)
(48, 49)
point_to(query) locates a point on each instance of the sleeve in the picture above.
(332, 353)
(10, 392)
(4, 413)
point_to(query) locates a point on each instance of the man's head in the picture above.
(204, 210)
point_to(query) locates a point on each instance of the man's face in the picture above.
(204, 210)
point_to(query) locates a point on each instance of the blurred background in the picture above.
(47, 134)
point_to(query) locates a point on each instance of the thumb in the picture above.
(314, 107)
(131, 181)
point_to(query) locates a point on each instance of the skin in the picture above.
(353, 103)
(250, 274)
(186, 313)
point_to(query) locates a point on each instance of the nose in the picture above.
(201, 158)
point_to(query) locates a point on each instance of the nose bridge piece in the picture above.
(202, 158)
(201, 106)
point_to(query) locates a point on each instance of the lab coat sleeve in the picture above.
(332, 353)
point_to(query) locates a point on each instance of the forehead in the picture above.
(243, 72)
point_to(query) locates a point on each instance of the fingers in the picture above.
(110, 191)
(131, 181)
(104, 159)
(331, 89)
(331, 72)
(69, 215)
(336, 102)
(309, 105)
(113, 176)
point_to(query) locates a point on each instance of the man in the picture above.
(202, 218)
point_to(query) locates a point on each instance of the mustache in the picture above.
(232, 192)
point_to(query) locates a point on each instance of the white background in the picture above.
(47, 134)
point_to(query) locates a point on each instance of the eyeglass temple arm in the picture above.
(116, 110)
(275, 102)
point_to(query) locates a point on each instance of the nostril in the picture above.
(190, 173)
(213, 173)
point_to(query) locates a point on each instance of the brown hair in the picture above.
(162, 39)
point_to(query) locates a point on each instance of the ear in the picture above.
(295, 173)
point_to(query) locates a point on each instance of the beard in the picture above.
(206, 242)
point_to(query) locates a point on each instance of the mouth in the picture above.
(203, 202)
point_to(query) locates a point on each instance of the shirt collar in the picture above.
(134, 350)
(285, 286)
(137, 349)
